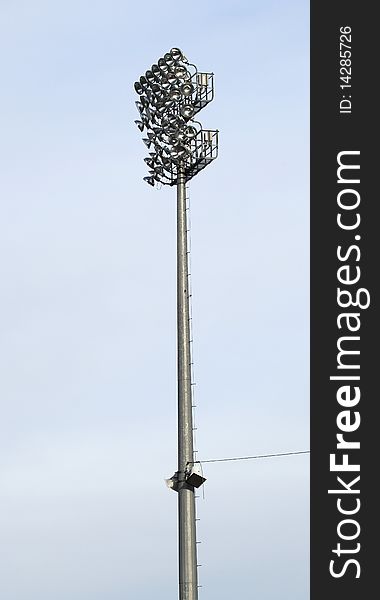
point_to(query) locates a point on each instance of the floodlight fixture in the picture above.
(140, 125)
(177, 54)
(169, 59)
(187, 111)
(175, 94)
(138, 87)
(171, 93)
(149, 180)
(187, 89)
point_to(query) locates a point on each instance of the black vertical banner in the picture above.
(345, 237)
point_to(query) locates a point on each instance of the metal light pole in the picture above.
(171, 93)
(188, 581)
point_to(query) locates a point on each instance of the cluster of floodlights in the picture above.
(171, 93)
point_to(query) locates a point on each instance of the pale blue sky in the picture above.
(88, 388)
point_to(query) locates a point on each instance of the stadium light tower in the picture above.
(171, 93)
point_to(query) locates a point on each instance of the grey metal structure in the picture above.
(171, 93)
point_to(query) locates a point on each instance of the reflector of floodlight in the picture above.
(169, 60)
(143, 81)
(166, 161)
(149, 162)
(148, 95)
(140, 107)
(169, 167)
(175, 126)
(170, 123)
(144, 101)
(168, 171)
(156, 70)
(175, 94)
(180, 136)
(172, 78)
(158, 148)
(140, 125)
(181, 72)
(187, 111)
(176, 53)
(145, 120)
(147, 142)
(149, 76)
(178, 152)
(187, 89)
(170, 131)
(162, 64)
(161, 109)
(156, 119)
(191, 132)
(138, 87)
(152, 110)
(163, 138)
(149, 180)
(169, 103)
(165, 88)
(164, 71)
(154, 101)
(165, 122)
(158, 178)
(158, 99)
(173, 120)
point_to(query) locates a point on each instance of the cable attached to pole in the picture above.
(251, 457)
